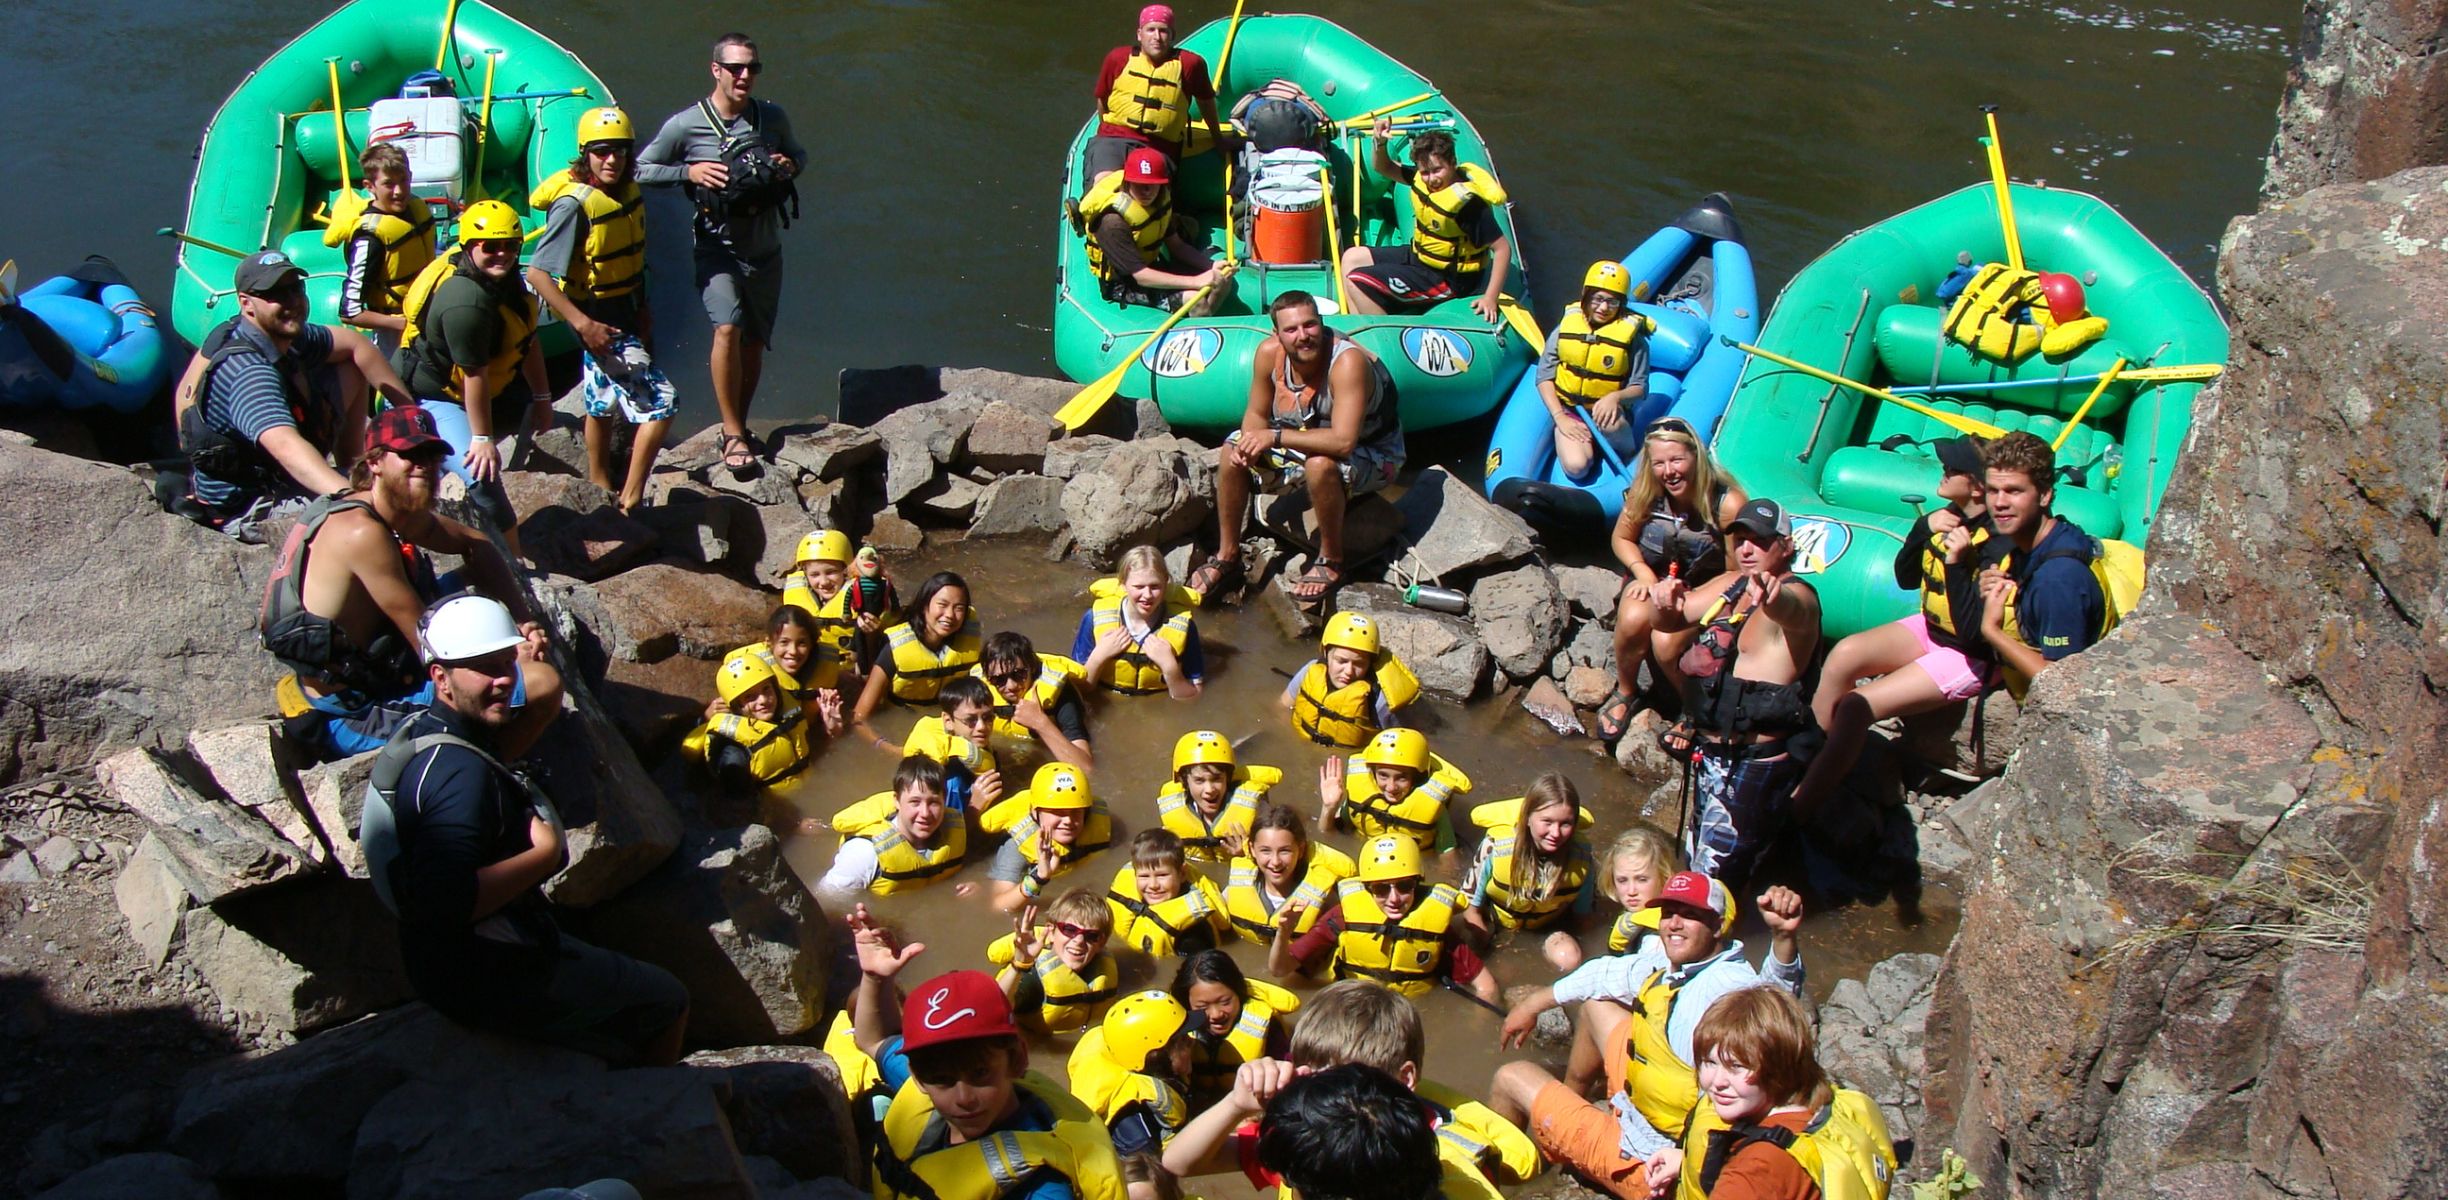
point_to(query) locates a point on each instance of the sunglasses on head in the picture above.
(1677, 424)
(751, 67)
(1075, 932)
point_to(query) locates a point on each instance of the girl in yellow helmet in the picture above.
(1596, 360)
(1352, 689)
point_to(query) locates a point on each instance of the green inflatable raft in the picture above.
(270, 166)
(1856, 471)
(1447, 364)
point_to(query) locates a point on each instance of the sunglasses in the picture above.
(1389, 887)
(1076, 932)
(497, 665)
(608, 149)
(282, 294)
(1677, 424)
(751, 67)
(1015, 675)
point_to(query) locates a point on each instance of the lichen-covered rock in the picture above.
(1520, 616)
(1147, 491)
(1018, 504)
(2368, 97)
(1443, 650)
(1453, 529)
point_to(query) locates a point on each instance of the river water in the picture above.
(939, 126)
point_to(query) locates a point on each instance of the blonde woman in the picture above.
(1673, 515)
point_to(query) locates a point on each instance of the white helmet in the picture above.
(467, 626)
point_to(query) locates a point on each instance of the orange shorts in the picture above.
(1586, 1137)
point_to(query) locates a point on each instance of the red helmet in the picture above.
(2065, 296)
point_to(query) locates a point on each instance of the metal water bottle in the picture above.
(1438, 599)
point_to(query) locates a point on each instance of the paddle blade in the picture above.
(8, 282)
(1524, 324)
(1081, 408)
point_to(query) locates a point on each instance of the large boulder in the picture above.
(152, 1176)
(661, 609)
(1370, 523)
(571, 527)
(1142, 492)
(786, 1103)
(1029, 392)
(1871, 1033)
(301, 958)
(253, 767)
(829, 452)
(216, 849)
(729, 917)
(1441, 649)
(2368, 97)
(617, 824)
(1520, 616)
(144, 627)
(1009, 437)
(921, 440)
(1017, 505)
(1453, 529)
(661, 1131)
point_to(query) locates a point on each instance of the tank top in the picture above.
(1314, 407)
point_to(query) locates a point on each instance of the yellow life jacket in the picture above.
(1438, 238)
(1202, 836)
(1156, 928)
(901, 864)
(834, 624)
(777, 750)
(1591, 363)
(1149, 223)
(1150, 98)
(915, 1159)
(1500, 1147)
(1094, 836)
(613, 261)
(1347, 716)
(931, 738)
(1107, 1087)
(823, 672)
(407, 247)
(1936, 610)
(1499, 817)
(1245, 902)
(1403, 955)
(518, 325)
(1844, 1146)
(1214, 1060)
(859, 1075)
(1657, 1082)
(1132, 672)
(1370, 814)
(2002, 314)
(1054, 672)
(918, 673)
(1074, 999)
(1629, 928)
(2120, 569)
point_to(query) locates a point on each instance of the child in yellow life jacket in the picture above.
(957, 738)
(1133, 1070)
(1160, 905)
(1211, 799)
(1394, 785)
(899, 840)
(1534, 869)
(388, 236)
(850, 619)
(1137, 637)
(1388, 925)
(759, 739)
(1637, 867)
(804, 667)
(967, 1120)
(1352, 689)
(1037, 697)
(1054, 967)
(1768, 1125)
(1281, 873)
(1233, 1020)
(1052, 826)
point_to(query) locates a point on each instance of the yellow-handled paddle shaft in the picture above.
(1521, 320)
(1076, 411)
(1334, 241)
(1224, 57)
(2005, 198)
(484, 122)
(1955, 421)
(2107, 377)
(1229, 254)
(339, 123)
(450, 22)
(193, 240)
(1374, 113)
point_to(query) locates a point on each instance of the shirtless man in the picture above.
(346, 600)
(1321, 414)
(1742, 688)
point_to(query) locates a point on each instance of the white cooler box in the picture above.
(432, 131)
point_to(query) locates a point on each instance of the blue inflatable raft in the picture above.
(1693, 279)
(84, 340)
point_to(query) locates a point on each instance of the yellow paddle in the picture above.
(1521, 320)
(1229, 255)
(1224, 56)
(2106, 378)
(1955, 421)
(8, 282)
(450, 21)
(339, 124)
(1997, 176)
(1076, 411)
(484, 120)
(2178, 373)
(1334, 241)
(1374, 113)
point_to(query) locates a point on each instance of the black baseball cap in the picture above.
(1960, 456)
(1764, 517)
(266, 273)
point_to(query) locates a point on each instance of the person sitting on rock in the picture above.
(1743, 697)
(1038, 697)
(1386, 924)
(935, 643)
(1140, 247)
(899, 840)
(967, 1119)
(1133, 1069)
(1211, 800)
(1394, 785)
(1322, 416)
(1161, 906)
(2041, 604)
(1143, 95)
(353, 579)
(1054, 968)
(1534, 869)
(1352, 689)
(270, 402)
(1456, 247)
(1638, 1014)
(1678, 500)
(1137, 637)
(1769, 1125)
(1053, 826)
(760, 739)
(849, 618)
(459, 846)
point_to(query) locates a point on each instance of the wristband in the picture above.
(1031, 885)
(480, 439)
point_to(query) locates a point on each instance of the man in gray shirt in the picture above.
(739, 254)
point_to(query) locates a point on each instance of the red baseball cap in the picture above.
(404, 429)
(1147, 165)
(1700, 892)
(955, 1007)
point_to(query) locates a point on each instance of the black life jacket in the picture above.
(753, 181)
(315, 646)
(232, 458)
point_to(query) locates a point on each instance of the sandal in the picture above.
(1318, 582)
(1615, 716)
(739, 455)
(1676, 739)
(1215, 577)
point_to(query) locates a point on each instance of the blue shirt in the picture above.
(246, 396)
(1194, 663)
(2058, 606)
(892, 1066)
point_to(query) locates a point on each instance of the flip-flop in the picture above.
(1215, 577)
(1615, 716)
(1324, 575)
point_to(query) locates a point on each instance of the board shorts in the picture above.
(1743, 805)
(639, 394)
(737, 292)
(1588, 1138)
(1957, 676)
(1397, 279)
(1107, 153)
(1369, 469)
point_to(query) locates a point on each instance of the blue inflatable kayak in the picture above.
(82, 340)
(1693, 280)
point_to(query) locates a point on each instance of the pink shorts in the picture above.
(1957, 677)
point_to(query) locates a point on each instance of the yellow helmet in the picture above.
(1390, 857)
(1351, 631)
(1201, 746)
(1059, 786)
(1608, 276)
(488, 220)
(1397, 748)
(825, 545)
(740, 673)
(1140, 1024)
(605, 125)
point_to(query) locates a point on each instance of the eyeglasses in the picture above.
(751, 67)
(1075, 932)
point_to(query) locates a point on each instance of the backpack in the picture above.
(753, 181)
(378, 823)
(2120, 568)
(1277, 124)
(315, 646)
